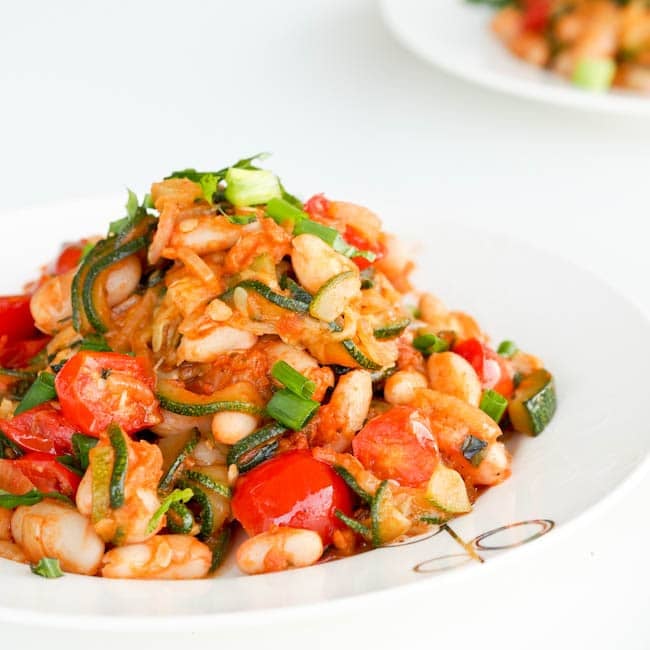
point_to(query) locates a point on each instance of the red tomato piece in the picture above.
(536, 14)
(317, 206)
(20, 353)
(47, 474)
(69, 258)
(399, 445)
(16, 322)
(12, 480)
(494, 371)
(356, 239)
(292, 489)
(42, 429)
(97, 388)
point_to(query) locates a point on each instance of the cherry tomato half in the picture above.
(536, 14)
(42, 429)
(69, 258)
(399, 445)
(292, 489)
(18, 354)
(47, 474)
(16, 322)
(97, 388)
(356, 239)
(317, 206)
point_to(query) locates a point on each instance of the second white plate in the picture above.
(455, 36)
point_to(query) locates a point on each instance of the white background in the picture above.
(96, 96)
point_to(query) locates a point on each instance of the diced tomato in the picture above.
(317, 206)
(69, 258)
(16, 322)
(47, 474)
(97, 388)
(494, 371)
(356, 239)
(292, 489)
(536, 14)
(12, 480)
(42, 429)
(19, 353)
(399, 445)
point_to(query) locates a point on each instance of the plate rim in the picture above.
(558, 96)
(280, 614)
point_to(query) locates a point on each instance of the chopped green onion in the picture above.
(47, 567)
(41, 391)
(241, 220)
(291, 410)
(473, 449)
(81, 446)
(34, 496)
(71, 463)
(177, 496)
(293, 380)
(594, 74)
(95, 342)
(147, 202)
(429, 343)
(507, 349)
(280, 211)
(209, 185)
(251, 186)
(353, 524)
(494, 404)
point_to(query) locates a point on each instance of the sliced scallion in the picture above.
(332, 237)
(41, 391)
(507, 349)
(293, 380)
(429, 343)
(280, 211)
(81, 446)
(494, 404)
(47, 567)
(34, 496)
(251, 186)
(290, 410)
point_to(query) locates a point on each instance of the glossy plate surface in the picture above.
(455, 36)
(595, 342)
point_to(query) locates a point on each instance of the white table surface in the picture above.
(95, 96)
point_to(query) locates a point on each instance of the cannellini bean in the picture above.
(495, 466)
(432, 309)
(221, 339)
(53, 529)
(452, 374)
(400, 387)
(51, 304)
(5, 524)
(279, 549)
(315, 262)
(208, 453)
(229, 427)
(122, 280)
(163, 557)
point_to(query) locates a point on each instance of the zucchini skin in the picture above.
(359, 356)
(207, 482)
(180, 519)
(534, 403)
(167, 479)
(284, 302)
(391, 330)
(170, 396)
(120, 465)
(257, 439)
(375, 514)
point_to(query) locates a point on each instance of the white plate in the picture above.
(455, 36)
(594, 341)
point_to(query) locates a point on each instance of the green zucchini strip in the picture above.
(120, 465)
(256, 439)
(208, 482)
(352, 483)
(284, 302)
(375, 513)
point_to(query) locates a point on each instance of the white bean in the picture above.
(400, 388)
(221, 339)
(229, 427)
